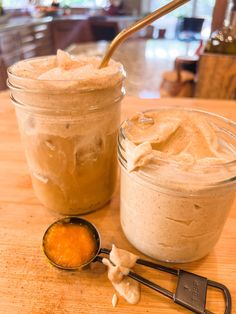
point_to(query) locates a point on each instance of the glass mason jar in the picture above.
(170, 213)
(70, 136)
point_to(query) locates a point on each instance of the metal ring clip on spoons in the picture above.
(191, 289)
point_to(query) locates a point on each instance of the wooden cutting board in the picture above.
(28, 284)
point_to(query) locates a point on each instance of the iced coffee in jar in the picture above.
(68, 112)
(178, 170)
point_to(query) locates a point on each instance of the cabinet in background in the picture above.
(23, 43)
(67, 32)
(10, 52)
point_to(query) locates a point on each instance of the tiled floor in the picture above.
(144, 61)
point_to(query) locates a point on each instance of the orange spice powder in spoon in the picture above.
(69, 245)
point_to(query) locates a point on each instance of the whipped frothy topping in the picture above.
(185, 137)
(178, 183)
(75, 71)
(119, 265)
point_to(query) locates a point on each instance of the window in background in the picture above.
(79, 3)
(21, 4)
(15, 4)
(205, 9)
(185, 10)
(195, 8)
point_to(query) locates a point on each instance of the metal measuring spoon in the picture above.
(191, 290)
(75, 221)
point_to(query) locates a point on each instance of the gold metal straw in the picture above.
(137, 26)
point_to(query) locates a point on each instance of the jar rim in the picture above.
(62, 111)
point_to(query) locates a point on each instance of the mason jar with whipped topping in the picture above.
(68, 112)
(178, 178)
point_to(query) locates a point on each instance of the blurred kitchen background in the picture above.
(161, 60)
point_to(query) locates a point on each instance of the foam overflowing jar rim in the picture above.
(144, 175)
(79, 91)
(11, 74)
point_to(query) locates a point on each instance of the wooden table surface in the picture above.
(28, 284)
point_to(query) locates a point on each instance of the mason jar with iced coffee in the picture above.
(178, 179)
(68, 113)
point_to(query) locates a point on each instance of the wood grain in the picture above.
(216, 77)
(28, 284)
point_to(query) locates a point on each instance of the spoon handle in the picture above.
(150, 284)
(144, 281)
(191, 289)
(149, 264)
(137, 26)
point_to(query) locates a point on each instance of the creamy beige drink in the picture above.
(68, 112)
(177, 181)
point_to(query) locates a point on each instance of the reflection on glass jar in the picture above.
(69, 135)
(173, 207)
